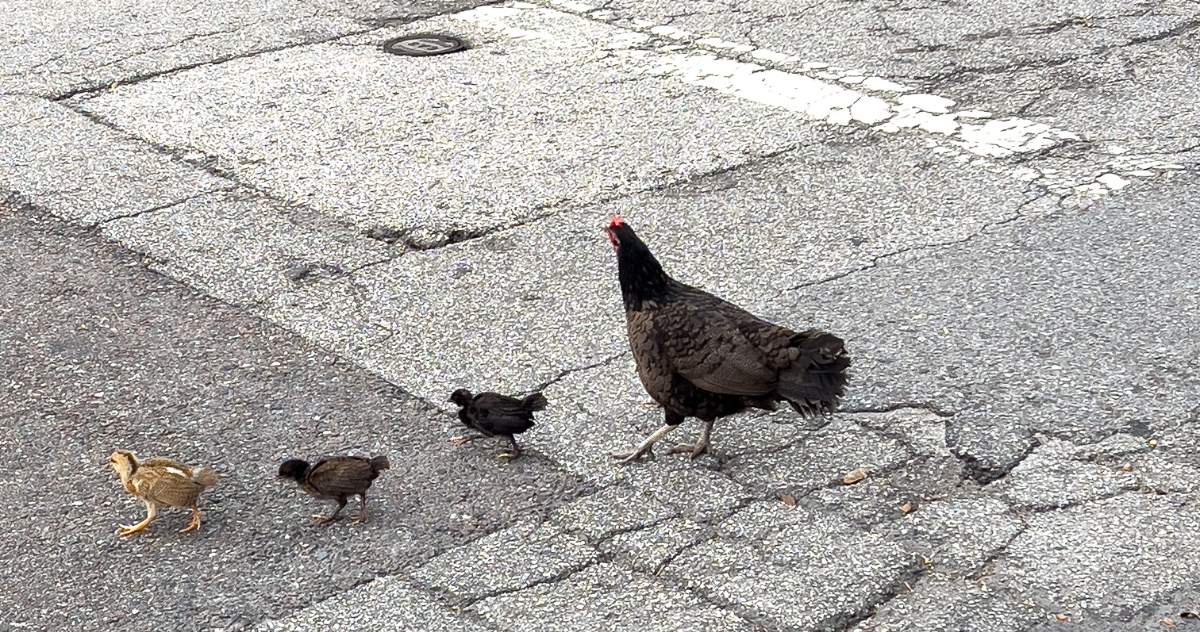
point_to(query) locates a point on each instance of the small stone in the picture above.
(1062, 617)
(907, 508)
(1128, 467)
(1153, 443)
(854, 476)
(788, 500)
(1167, 622)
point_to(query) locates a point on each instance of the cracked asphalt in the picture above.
(236, 235)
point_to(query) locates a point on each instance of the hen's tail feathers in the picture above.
(205, 477)
(817, 379)
(534, 402)
(379, 463)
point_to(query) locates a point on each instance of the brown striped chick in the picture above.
(161, 482)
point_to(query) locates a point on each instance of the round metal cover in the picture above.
(424, 45)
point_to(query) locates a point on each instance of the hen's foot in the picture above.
(694, 450)
(322, 519)
(360, 518)
(651, 405)
(631, 457)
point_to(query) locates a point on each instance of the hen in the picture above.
(493, 415)
(336, 478)
(159, 481)
(700, 356)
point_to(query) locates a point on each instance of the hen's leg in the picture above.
(672, 422)
(341, 500)
(151, 512)
(698, 448)
(194, 523)
(516, 450)
(464, 439)
(362, 508)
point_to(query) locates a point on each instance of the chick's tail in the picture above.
(206, 477)
(380, 463)
(534, 402)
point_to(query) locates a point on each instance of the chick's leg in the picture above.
(672, 422)
(698, 448)
(516, 450)
(151, 513)
(319, 519)
(362, 509)
(194, 523)
(464, 439)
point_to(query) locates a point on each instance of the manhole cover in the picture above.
(424, 44)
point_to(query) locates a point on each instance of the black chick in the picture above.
(336, 478)
(494, 415)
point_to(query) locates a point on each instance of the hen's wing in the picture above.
(340, 476)
(500, 414)
(705, 339)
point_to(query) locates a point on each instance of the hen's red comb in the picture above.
(616, 222)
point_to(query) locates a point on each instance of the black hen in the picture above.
(496, 415)
(700, 356)
(336, 478)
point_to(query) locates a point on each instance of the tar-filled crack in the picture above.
(877, 259)
(985, 474)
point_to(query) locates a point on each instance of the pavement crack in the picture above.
(877, 259)
(985, 474)
(901, 585)
(95, 87)
(567, 372)
(560, 576)
(161, 207)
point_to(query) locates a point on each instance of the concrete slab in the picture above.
(55, 49)
(542, 112)
(57, 158)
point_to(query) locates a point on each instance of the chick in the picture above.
(336, 478)
(159, 481)
(496, 415)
